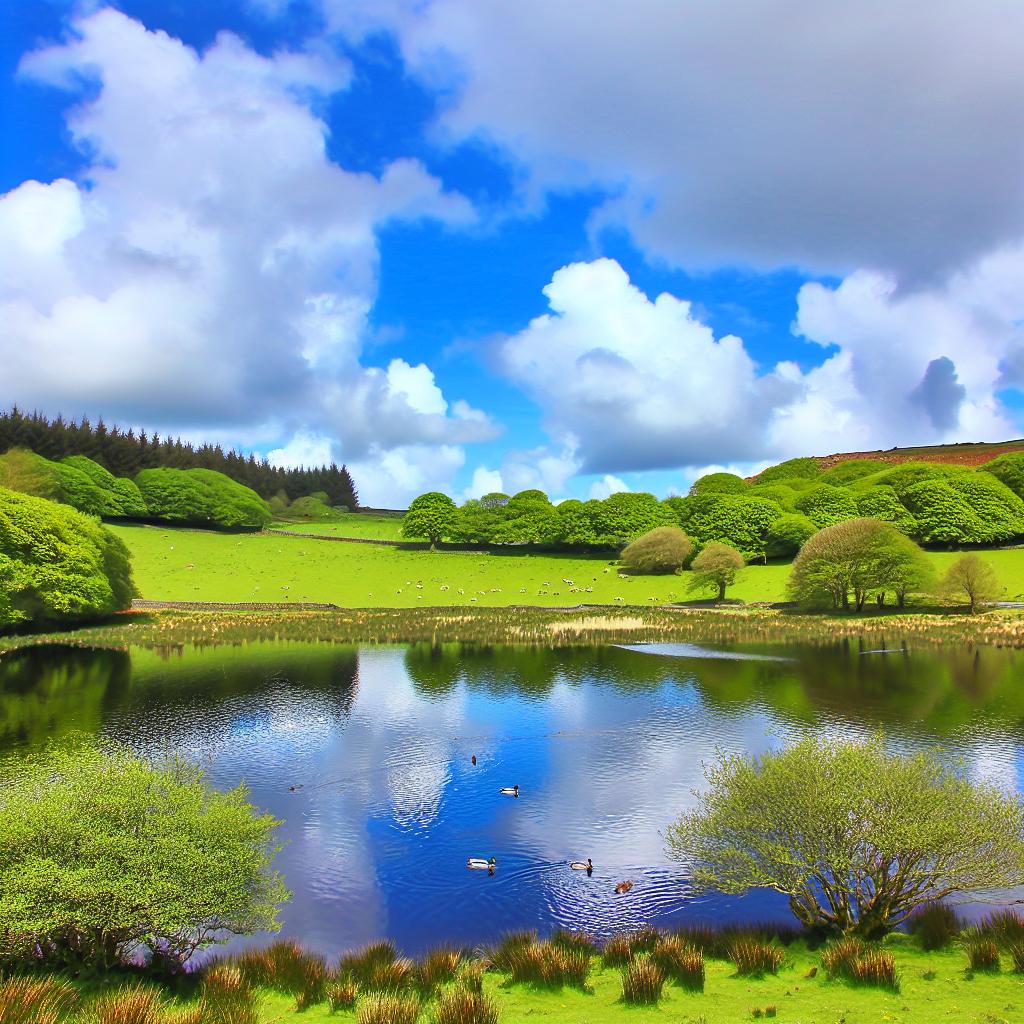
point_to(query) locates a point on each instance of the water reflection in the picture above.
(606, 744)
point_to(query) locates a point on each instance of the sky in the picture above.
(474, 245)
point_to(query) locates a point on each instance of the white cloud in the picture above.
(825, 134)
(484, 481)
(304, 449)
(213, 269)
(607, 486)
(390, 478)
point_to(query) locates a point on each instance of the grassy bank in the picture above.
(183, 565)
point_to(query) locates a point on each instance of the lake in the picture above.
(606, 745)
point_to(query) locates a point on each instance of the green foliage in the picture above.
(792, 469)
(814, 819)
(787, 535)
(477, 523)
(431, 516)
(57, 564)
(972, 580)
(907, 474)
(857, 557)
(718, 483)
(22, 470)
(845, 473)
(943, 514)
(782, 494)
(309, 509)
(738, 520)
(122, 499)
(102, 853)
(576, 522)
(623, 517)
(880, 502)
(661, 550)
(1008, 469)
(528, 518)
(715, 568)
(826, 505)
(201, 497)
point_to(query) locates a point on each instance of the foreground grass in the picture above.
(183, 565)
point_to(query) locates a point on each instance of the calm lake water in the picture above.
(606, 745)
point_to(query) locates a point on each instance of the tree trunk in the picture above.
(721, 591)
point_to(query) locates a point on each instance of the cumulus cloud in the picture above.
(607, 486)
(212, 269)
(628, 383)
(825, 134)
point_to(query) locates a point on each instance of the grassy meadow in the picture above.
(361, 526)
(190, 565)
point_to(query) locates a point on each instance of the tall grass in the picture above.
(462, 1007)
(285, 966)
(437, 968)
(378, 968)
(341, 995)
(642, 982)
(137, 1004)
(878, 968)
(1004, 927)
(983, 955)
(839, 957)
(753, 957)
(573, 940)
(541, 963)
(388, 1008)
(618, 951)
(680, 962)
(509, 949)
(35, 1000)
(935, 925)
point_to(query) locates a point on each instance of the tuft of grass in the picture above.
(983, 955)
(642, 982)
(839, 957)
(935, 925)
(699, 936)
(1016, 951)
(378, 968)
(877, 968)
(509, 949)
(285, 966)
(541, 963)
(341, 995)
(680, 962)
(437, 968)
(35, 1000)
(646, 939)
(225, 983)
(460, 1006)
(753, 957)
(618, 951)
(573, 940)
(136, 1004)
(388, 1008)
(471, 976)
(1004, 927)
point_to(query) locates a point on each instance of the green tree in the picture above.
(57, 564)
(623, 517)
(854, 558)
(825, 505)
(973, 580)
(122, 498)
(661, 550)
(787, 534)
(575, 522)
(431, 516)
(792, 469)
(528, 518)
(855, 837)
(719, 483)
(201, 497)
(880, 502)
(738, 520)
(103, 854)
(1009, 469)
(715, 568)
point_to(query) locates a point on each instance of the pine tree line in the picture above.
(124, 453)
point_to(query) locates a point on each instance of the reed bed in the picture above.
(542, 963)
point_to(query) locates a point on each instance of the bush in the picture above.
(199, 859)
(718, 483)
(753, 957)
(787, 534)
(1009, 470)
(35, 1000)
(983, 955)
(849, 810)
(792, 469)
(971, 579)
(642, 982)
(462, 1007)
(826, 505)
(388, 1009)
(57, 565)
(715, 568)
(201, 497)
(664, 549)
(680, 962)
(122, 498)
(740, 520)
(881, 503)
(624, 517)
(845, 473)
(935, 925)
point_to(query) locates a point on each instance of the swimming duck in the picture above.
(473, 759)
(578, 865)
(623, 887)
(479, 864)
(510, 790)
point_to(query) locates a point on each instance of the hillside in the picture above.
(968, 453)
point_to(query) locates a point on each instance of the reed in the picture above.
(680, 962)
(1016, 952)
(935, 925)
(388, 1008)
(460, 1006)
(752, 957)
(35, 1000)
(437, 968)
(1004, 927)
(642, 982)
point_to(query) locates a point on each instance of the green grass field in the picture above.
(361, 525)
(186, 565)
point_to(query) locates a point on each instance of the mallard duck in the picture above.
(479, 864)
(578, 865)
(510, 790)
(473, 759)
(623, 887)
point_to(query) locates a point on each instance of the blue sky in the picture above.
(468, 245)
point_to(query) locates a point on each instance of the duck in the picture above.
(510, 790)
(578, 865)
(473, 759)
(623, 887)
(479, 864)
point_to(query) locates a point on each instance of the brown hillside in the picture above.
(966, 454)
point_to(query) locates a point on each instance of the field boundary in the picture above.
(141, 604)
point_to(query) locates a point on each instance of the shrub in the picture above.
(718, 483)
(642, 982)
(848, 808)
(881, 503)
(388, 1009)
(740, 520)
(680, 962)
(628, 515)
(826, 505)
(788, 534)
(753, 957)
(341, 995)
(715, 568)
(845, 473)
(35, 1000)
(122, 498)
(662, 550)
(792, 469)
(935, 925)
(973, 580)
(202, 497)
(200, 859)
(437, 967)
(462, 1007)
(983, 955)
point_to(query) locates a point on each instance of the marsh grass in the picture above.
(753, 957)
(983, 955)
(618, 951)
(284, 966)
(136, 1004)
(541, 963)
(878, 968)
(565, 939)
(509, 950)
(839, 957)
(340, 995)
(935, 925)
(437, 968)
(471, 975)
(1004, 927)
(642, 982)
(35, 1000)
(681, 962)
(388, 1008)
(460, 1006)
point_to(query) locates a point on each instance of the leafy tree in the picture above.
(719, 483)
(792, 469)
(851, 470)
(122, 498)
(825, 505)
(528, 518)
(476, 523)
(575, 522)
(57, 564)
(738, 520)
(623, 517)
(972, 579)
(782, 494)
(1008, 469)
(787, 534)
(855, 837)
(431, 516)
(202, 497)
(855, 558)
(880, 502)
(942, 513)
(661, 550)
(715, 568)
(103, 855)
